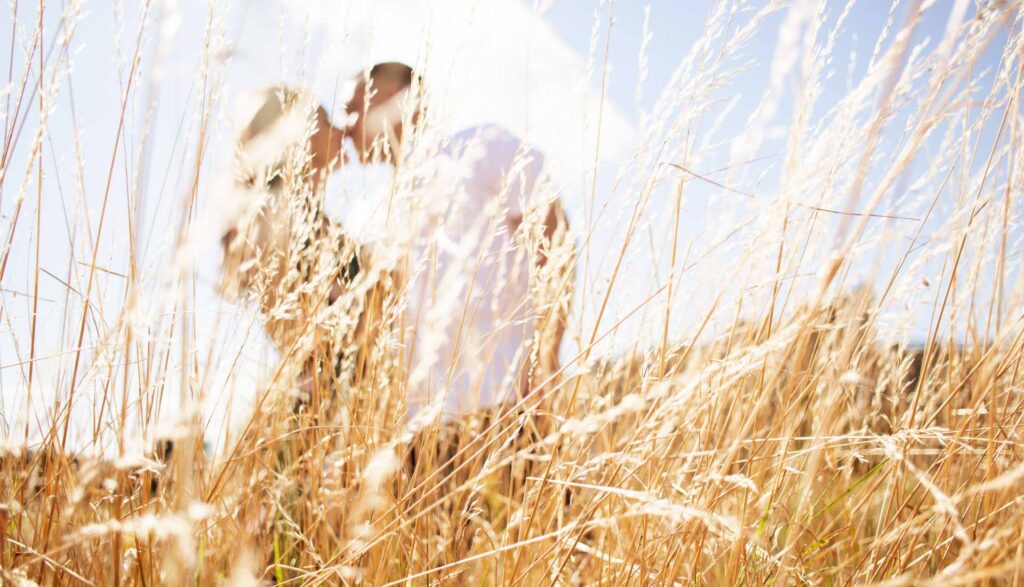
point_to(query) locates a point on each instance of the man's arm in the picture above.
(552, 277)
(554, 218)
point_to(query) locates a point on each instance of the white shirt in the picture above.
(469, 321)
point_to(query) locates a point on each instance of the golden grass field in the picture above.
(783, 437)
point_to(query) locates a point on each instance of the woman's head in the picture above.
(287, 123)
(286, 146)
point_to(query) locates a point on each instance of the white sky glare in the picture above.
(484, 61)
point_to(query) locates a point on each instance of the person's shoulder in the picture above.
(492, 152)
(488, 135)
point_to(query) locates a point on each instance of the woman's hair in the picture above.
(274, 103)
(280, 117)
(273, 106)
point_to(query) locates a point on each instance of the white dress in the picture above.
(469, 321)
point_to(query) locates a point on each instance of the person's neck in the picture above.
(394, 151)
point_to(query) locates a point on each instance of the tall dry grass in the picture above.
(787, 435)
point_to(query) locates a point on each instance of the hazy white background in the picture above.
(547, 70)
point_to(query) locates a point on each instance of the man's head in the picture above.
(377, 108)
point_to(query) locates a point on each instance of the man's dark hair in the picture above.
(394, 72)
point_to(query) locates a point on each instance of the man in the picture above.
(490, 278)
